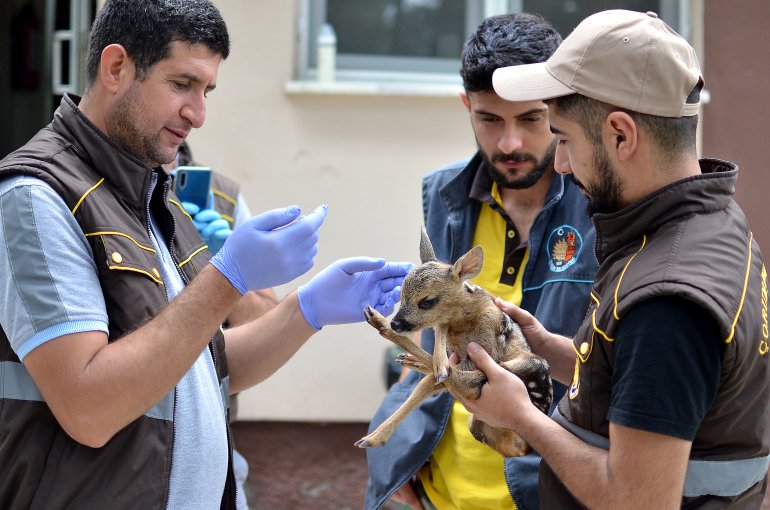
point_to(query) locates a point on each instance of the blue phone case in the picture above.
(192, 184)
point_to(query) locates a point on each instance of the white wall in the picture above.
(364, 155)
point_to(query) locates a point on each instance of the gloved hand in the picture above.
(213, 229)
(340, 293)
(270, 249)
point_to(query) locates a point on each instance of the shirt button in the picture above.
(510, 270)
(584, 348)
(511, 234)
(155, 272)
(117, 257)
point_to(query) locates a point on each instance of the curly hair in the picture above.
(502, 41)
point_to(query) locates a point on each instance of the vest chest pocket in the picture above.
(121, 252)
(583, 345)
(583, 341)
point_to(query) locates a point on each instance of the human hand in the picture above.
(270, 249)
(340, 293)
(210, 225)
(503, 397)
(534, 332)
(406, 495)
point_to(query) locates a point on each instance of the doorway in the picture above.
(42, 57)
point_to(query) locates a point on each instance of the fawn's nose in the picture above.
(400, 325)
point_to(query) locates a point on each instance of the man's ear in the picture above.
(115, 67)
(623, 134)
(465, 100)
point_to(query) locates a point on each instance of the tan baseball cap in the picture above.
(628, 59)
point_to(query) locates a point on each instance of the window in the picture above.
(566, 14)
(421, 40)
(393, 39)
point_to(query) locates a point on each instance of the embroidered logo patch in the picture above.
(564, 247)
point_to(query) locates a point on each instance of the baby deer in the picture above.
(439, 295)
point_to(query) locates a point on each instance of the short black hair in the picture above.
(502, 41)
(146, 29)
(674, 136)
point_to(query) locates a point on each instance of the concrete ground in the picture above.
(308, 466)
(297, 466)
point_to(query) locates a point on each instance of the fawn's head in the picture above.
(433, 292)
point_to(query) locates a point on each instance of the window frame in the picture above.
(411, 70)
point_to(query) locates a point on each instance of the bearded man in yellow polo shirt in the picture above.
(538, 253)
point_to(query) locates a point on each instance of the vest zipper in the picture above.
(173, 412)
(230, 477)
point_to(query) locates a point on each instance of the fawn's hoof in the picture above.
(407, 360)
(365, 443)
(373, 440)
(442, 376)
(375, 319)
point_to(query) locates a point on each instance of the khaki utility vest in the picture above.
(107, 191)
(692, 240)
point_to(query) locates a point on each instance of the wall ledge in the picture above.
(372, 88)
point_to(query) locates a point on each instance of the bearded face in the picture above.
(501, 171)
(130, 126)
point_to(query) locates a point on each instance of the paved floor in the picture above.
(297, 466)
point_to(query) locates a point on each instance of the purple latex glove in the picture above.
(213, 229)
(340, 293)
(270, 249)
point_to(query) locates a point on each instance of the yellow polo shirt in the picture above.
(462, 473)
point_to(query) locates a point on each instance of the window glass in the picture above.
(405, 28)
(424, 36)
(423, 39)
(566, 14)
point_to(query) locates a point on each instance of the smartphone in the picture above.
(192, 184)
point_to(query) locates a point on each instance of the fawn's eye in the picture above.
(427, 303)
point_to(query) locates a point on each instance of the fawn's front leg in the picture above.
(440, 359)
(424, 389)
(381, 324)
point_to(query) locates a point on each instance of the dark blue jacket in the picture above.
(555, 290)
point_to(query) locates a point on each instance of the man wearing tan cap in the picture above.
(668, 402)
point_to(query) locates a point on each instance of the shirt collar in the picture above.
(124, 172)
(710, 191)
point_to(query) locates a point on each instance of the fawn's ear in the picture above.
(426, 248)
(469, 265)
